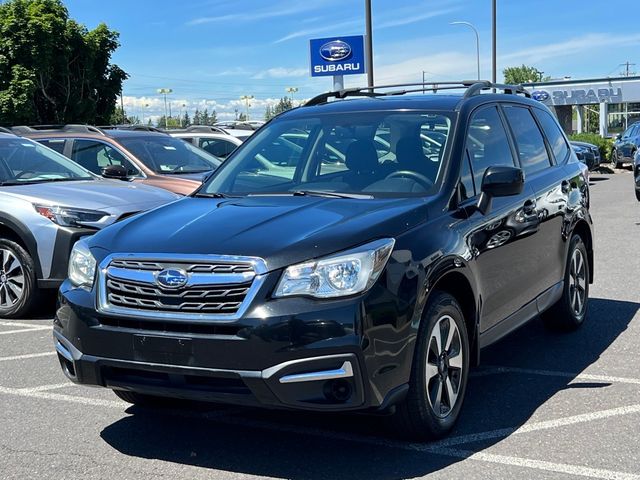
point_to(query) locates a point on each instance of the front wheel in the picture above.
(18, 285)
(614, 158)
(570, 311)
(439, 373)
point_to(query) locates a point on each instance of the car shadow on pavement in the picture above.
(311, 446)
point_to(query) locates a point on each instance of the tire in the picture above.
(638, 194)
(614, 158)
(18, 284)
(143, 400)
(421, 416)
(570, 312)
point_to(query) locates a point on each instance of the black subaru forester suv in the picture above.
(354, 254)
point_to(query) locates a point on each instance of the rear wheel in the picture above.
(569, 312)
(439, 373)
(18, 284)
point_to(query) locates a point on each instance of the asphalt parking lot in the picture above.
(542, 405)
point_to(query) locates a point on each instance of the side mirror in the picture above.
(619, 136)
(499, 182)
(115, 172)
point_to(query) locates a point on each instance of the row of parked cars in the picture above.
(626, 149)
(61, 183)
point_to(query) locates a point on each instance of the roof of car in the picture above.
(114, 133)
(442, 102)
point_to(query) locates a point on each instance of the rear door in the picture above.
(542, 157)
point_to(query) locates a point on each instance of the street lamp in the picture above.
(246, 99)
(291, 91)
(144, 108)
(165, 92)
(470, 25)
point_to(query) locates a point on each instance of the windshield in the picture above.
(370, 153)
(23, 161)
(168, 155)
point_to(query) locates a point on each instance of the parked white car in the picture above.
(210, 139)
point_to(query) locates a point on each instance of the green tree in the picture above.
(283, 105)
(186, 121)
(197, 117)
(53, 69)
(522, 74)
(213, 117)
(242, 117)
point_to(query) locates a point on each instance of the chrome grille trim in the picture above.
(126, 286)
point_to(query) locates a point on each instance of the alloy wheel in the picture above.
(577, 283)
(444, 366)
(12, 279)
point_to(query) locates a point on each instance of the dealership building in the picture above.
(606, 105)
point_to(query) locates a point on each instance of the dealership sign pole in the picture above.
(337, 57)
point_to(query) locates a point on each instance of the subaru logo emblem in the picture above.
(540, 95)
(335, 51)
(171, 278)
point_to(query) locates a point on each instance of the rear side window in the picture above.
(531, 148)
(54, 144)
(487, 143)
(94, 156)
(554, 135)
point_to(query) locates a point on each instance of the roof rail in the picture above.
(6, 130)
(141, 128)
(204, 128)
(472, 87)
(78, 128)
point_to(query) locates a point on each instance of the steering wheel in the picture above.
(25, 172)
(415, 176)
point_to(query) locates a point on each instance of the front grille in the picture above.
(215, 287)
(172, 327)
(201, 299)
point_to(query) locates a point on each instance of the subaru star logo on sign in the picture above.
(540, 95)
(337, 56)
(172, 278)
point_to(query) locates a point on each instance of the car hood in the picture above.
(280, 230)
(583, 144)
(93, 195)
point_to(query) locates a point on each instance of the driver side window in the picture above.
(487, 143)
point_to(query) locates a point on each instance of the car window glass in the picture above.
(529, 140)
(627, 133)
(556, 139)
(168, 155)
(95, 155)
(25, 161)
(381, 153)
(487, 143)
(54, 144)
(218, 147)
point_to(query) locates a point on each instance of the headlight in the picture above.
(346, 273)
(69, 217)
(82, 265)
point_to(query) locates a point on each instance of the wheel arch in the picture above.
(462, 288)
(16, 231)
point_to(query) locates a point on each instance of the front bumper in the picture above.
(312, 359)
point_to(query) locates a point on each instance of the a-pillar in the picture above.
(604, 117)
(580, 112)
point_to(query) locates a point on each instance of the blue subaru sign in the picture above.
(337, 56)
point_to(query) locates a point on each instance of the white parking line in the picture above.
(491, 370)
(46, 388)
(27, 356)
(24, 330)
(23, 324)
(438, 448)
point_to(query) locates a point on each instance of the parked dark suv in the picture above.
(626, 145)
(342, 285)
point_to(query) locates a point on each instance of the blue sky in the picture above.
(210, 52)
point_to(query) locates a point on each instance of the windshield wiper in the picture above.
(214, 195)
(319, 193)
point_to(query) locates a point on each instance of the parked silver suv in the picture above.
(47, 203)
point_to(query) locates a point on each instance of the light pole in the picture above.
(369, 42)
(246, 99)
(165, 92)
(494, 59)
(470, 25)
(291, 91)
(144, 108)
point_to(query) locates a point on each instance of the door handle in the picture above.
(529, 206)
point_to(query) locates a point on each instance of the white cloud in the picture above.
(280, 72)
(573, 46)
(291, 8)
(441, 66)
